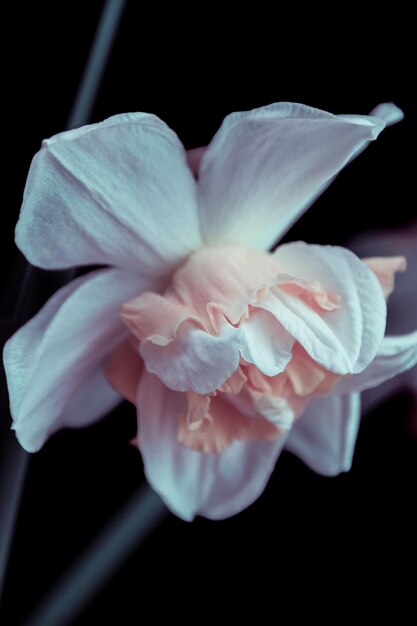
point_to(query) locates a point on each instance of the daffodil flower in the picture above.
(229, 352)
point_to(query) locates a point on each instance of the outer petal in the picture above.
(402, 304)
(402, 314)
(345, 340)
(324, 437)
(53, 363)
(265, 167)
(213, 485)
(117, 193)
(396, 355)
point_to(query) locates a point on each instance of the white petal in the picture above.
(53, 362)
(343, 341)
(389, 112)
(265, 343)
(396, 355)
(265, 167)
(117, 193)
(195, 359)
(190, 483)
(324, 437)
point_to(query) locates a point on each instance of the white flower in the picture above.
(229, 352)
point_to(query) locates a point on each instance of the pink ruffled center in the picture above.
(218, 286)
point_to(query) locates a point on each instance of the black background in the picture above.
(334, 537)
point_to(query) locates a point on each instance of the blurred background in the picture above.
(192, 67)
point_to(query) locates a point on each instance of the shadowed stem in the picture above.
(100, 561)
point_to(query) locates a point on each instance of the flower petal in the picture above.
(324, 437)
(194, 157)
(212, 424)
(265, 167)
(344, 340)
(385, 269)
(123, 369)
(53, 362)
(402, 314)
(117, 193)
(196, 360)
(265, 343)
(402, 304)
(396, 355)
(213, 485)
(389, 112)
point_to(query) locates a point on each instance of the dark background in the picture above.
(333, 537)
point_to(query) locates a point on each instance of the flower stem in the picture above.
(131, 526)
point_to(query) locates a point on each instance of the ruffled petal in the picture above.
(265, 167)
(344, 340)
(117, 193)
(212, 424)
(265, 343)
(396, 355)
(325, 435)
(53, 363)
(191, 483)
(206, 320)
(196, 360)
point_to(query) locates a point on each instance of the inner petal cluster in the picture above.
(211, 335)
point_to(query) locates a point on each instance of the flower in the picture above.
(402, 306)
(229, 352)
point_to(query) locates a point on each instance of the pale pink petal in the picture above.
(196, 360)
(206, 320)
(266, 166)
(191, 483)
(139, 315)
(224, 281)
(116, 193)
(402, 304)
(344, 340)
(306, 376)
(194, 157)
(385, 269)
(123, 368)
(53, 362)
(325, 435)
(213, 285)
(212, 424)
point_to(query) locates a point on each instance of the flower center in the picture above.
(216, 334)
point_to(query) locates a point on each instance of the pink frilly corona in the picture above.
(230, 352)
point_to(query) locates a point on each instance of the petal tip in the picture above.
(388, 112)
